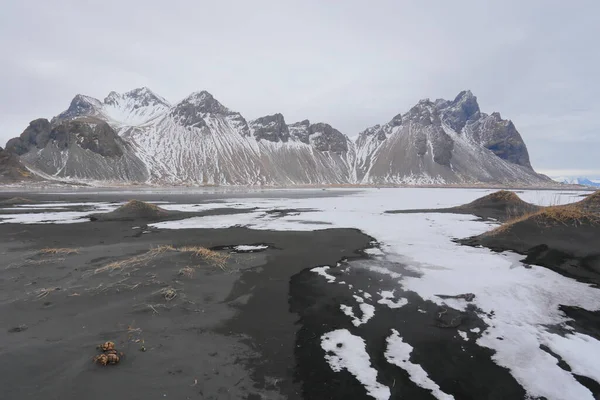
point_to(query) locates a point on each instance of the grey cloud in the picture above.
(352, 64)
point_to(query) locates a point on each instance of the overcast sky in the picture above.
(352, 64)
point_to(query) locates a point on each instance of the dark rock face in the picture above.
(502, 138)
(462, 109)
(272, 128)
(89, 133)
(442, 145)
(326, 138)
(36, 135)
(11, 168)
(301, 130)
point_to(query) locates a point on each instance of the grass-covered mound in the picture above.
(565, 238)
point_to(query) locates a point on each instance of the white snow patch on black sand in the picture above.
(349, 353)
(398, 353)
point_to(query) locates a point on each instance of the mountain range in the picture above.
(578, 180)
(139, 137)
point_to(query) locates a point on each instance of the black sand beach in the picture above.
(216, 325)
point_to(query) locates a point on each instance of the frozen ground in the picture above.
(519, 305)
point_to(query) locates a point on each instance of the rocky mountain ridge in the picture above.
(138, 136)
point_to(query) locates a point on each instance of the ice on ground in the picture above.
(56, 216)
(323, 272)
(358, 299)
(387, 298)
(374, 251)
(368, 312)
(384, 271)
(247, 247)
(579, 351)
(398, 353)
(347, 351)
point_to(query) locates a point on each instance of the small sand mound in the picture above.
(497, 199)
(16, 200)
(132, 210)
(590, 203)
(503, 205)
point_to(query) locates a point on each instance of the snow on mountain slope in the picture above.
(131, 108)
(139, 137)
(444, 142)
(578, 180)
(86, 148)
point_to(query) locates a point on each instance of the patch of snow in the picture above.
(464, 335)
(475, 330)
(398, 353)
(323, 272)
(368, 312)
(349, 352)
(579, 351)
(387, 298)
(247, 247)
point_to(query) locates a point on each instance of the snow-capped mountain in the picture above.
(578, 180)
(444, 142)
(139, 137)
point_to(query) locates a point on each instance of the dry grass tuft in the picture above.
(567, 215)
(168, 293)
(212, 257)
(43, 292)
(55, 251)
(187, 272)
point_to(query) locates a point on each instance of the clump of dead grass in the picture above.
(187, 272)
(57, 251)
(210, 256)
(566, 215)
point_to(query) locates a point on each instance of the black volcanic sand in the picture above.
(502, 206)
(459, 367)
(251, 331)
(226, 334)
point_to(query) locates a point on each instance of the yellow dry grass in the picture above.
(212, 257)
(55, 251)
(187, 272)
(567, 215)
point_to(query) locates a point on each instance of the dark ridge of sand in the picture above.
(15, 201)
(134, 210)
(565, 238)
(502, 205)
(142, 212)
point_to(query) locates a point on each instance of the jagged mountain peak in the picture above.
(193, 110)
(270, 127)
(81, 105)
(204, 102)
(139, 97)
(464, 108)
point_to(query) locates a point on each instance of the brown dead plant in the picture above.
(57, 251)
(566, 215)
(210, 256)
